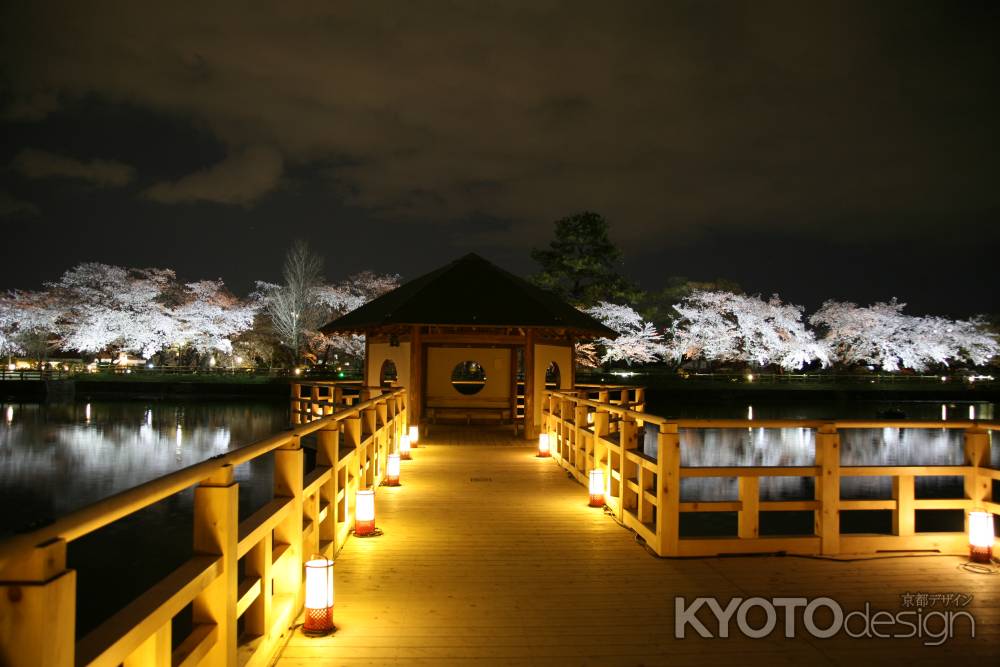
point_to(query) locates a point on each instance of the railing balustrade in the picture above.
(309, 514)
(644, 492)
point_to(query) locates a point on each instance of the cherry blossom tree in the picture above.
(638, 341)
(882, 335)
(722, 326)
(210, 317)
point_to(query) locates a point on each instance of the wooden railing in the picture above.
(312, 399)
(644, 492)
(309, 514)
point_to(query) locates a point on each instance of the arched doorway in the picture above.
(388, 375)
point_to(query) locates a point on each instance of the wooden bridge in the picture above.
(491, 555)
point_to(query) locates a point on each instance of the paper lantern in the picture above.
(414, 435)
(364, 512)
(392, 470)
(981, 537)
(319, 596)
(543, 445)
(404, 447)
(597, 487)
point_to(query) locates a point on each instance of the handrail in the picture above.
(94, 517)
(309, 513)
(644, 492)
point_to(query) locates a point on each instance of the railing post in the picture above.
(903, 516)
(749, 514)
(288, 478)
(668, 490)
(315, 410)
(38, 609)
(627, 439)
(368, 427)
(978, 488)
(216, 529)
(294, 400)
(827, 518)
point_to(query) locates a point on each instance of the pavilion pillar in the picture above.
(415, 392)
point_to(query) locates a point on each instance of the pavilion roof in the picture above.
(470, 291)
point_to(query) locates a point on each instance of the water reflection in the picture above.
(759, 447)
(58, 458)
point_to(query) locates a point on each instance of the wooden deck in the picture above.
(492, 557)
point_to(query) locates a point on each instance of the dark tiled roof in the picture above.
(470, 292)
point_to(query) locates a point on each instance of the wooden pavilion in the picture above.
(470, 341)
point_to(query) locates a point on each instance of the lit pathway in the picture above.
(492, 557)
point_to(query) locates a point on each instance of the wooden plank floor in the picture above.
(492, 557)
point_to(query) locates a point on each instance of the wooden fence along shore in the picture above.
(356, 428)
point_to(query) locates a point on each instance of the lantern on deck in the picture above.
(404, 447)
(414, 435)
(597, 487)
(543, 445)
(319, 596)
(981, 537)
(392, 470)
(364, 512)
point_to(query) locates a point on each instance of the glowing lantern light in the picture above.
(364, 512)
(944, 412)
(319, 596)
(404, 447)
(392, 470)
(750, 412)
(981, 537)
(414, 435)
(543, 445)
(972, 412)
(597, 487)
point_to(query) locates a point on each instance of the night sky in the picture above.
(842, 150)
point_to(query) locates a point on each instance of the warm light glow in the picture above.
(10, 413)
(392, 470)
(590, 417)
(543, 444)
(944, 412)
(750, 412)
(597, 487)
(749, 377)
(319, 596)
(211, 361)
(414, 435)
(404, 447)
(298, 371)
(86, 412)
(239, 360)
(972, 412)
(981, 537)
(11, 367)
(364, 512)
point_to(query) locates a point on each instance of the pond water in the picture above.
(56, 458)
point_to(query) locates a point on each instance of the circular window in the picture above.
(387, 376)
(468, 377)
(552, 376)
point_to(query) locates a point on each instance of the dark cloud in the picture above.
(678, 121)
(239, 179)
(34, 163)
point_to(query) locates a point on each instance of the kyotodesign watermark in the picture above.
(823, 617)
